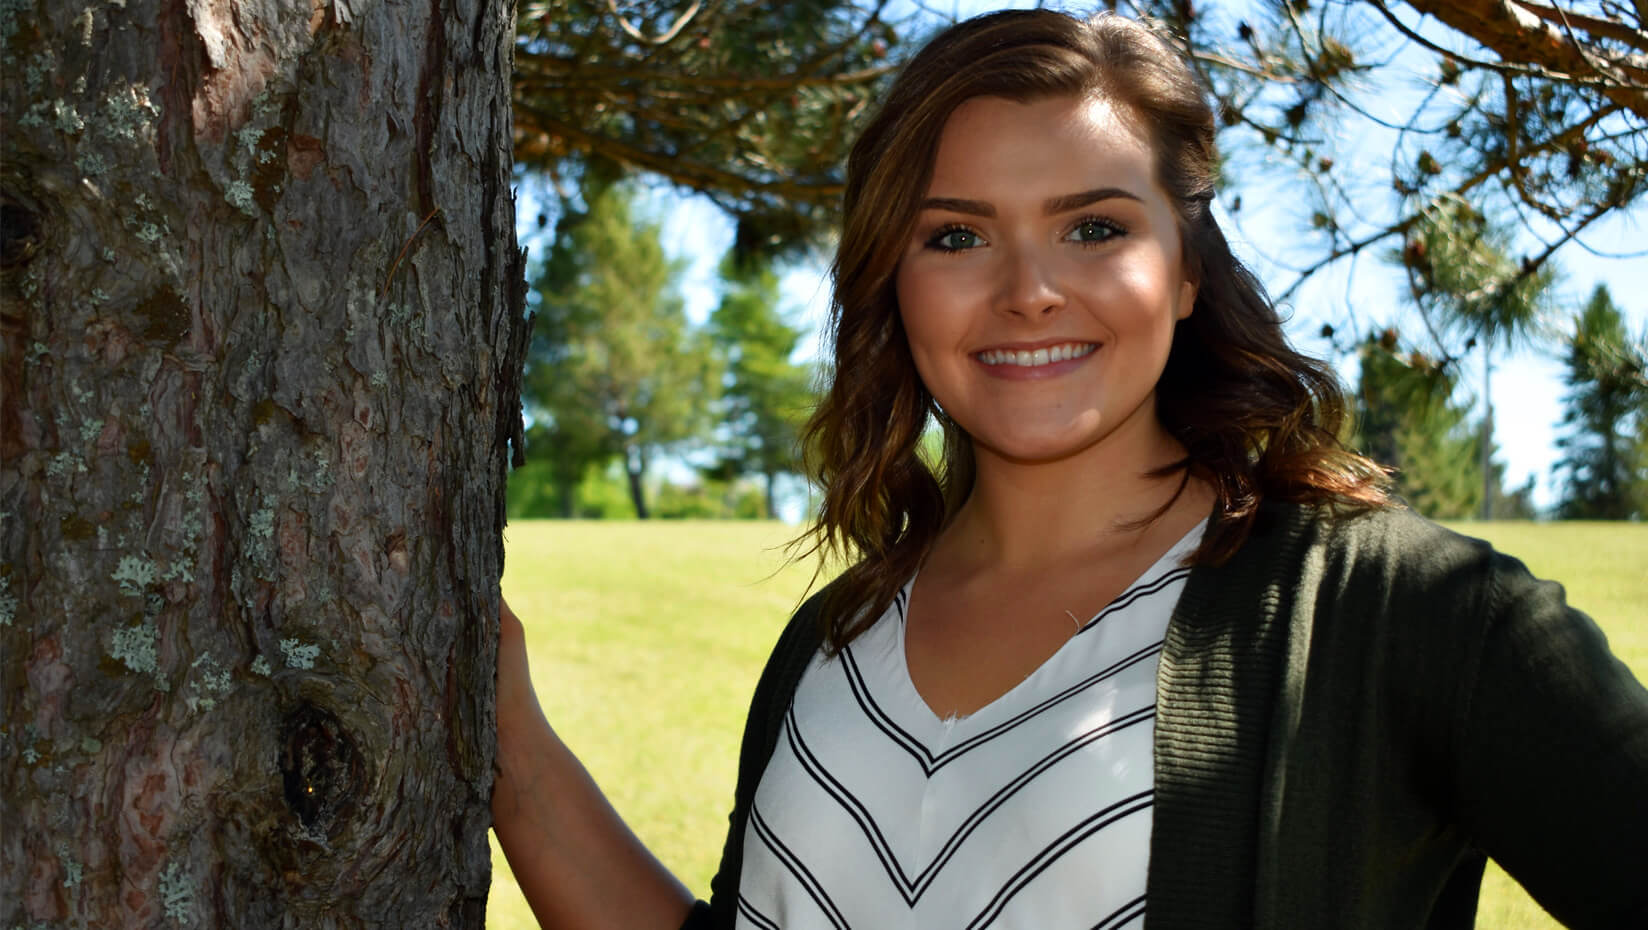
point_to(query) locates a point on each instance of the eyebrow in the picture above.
(1051, 206)
(1077, 201)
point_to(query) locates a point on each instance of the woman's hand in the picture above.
(516, 699)
(519, 717)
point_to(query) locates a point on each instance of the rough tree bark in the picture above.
(261, 311)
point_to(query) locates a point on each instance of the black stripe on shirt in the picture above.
(930, 762)
(1123, 915)
(760, 920)
(799, 869)
(1135, 594)
(1070, 840)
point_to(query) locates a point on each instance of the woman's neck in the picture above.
(1036, 514)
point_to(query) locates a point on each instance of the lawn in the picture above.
(646, 640)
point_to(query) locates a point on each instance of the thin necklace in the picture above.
(1073, 619)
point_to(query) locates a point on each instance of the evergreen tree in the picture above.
(614, 368)
(1406, 420)
(1603, 456)
(765, 397)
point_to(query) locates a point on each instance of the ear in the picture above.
(1187, 299)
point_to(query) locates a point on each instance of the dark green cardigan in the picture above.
(1351, 714)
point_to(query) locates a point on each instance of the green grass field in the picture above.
(646, 640)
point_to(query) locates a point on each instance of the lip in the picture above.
(1076, 352)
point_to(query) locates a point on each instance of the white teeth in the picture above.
(1035, 358)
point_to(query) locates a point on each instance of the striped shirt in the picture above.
(1032, 812)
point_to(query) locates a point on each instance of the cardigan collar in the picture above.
(1218, 699)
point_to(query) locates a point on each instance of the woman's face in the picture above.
(1041, 285)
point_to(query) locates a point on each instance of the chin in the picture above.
(1037, 451)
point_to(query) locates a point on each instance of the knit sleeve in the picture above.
(1552, 742)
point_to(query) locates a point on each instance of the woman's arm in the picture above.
(577, 863)
(1553, 761)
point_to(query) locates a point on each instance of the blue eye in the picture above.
(1094, 230)
(954, 239)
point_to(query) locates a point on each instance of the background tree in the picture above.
(765, 397)
(615, 369)
(560, 455)
(1607, 401)
(262, 335)
(1407, 420)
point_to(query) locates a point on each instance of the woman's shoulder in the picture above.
(1393, 533)
(1392, 552)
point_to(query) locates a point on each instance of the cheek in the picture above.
(924, 353)
(933, 366)
(1128, 298)
(912, 323)
(926, 312)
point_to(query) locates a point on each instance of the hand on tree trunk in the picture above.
(516, 699)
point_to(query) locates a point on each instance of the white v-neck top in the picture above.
(1033, 812)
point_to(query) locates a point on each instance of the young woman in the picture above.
(1150, 645)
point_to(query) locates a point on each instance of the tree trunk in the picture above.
(262, 325)
(635, 470)
(768, 499)
(1616, 505)
(1486, 453)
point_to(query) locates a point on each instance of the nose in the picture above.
(1029, 285)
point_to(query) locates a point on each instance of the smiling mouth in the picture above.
(1033, 358)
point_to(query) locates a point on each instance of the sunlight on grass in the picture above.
(646, 640)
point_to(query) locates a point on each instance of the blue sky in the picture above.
(1527, 388)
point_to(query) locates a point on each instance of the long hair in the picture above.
(1256, 418)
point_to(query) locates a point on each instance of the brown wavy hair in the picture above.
(1256, 418)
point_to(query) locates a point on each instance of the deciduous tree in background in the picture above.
(262, 335)
(615, 369)
(1603, 459)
